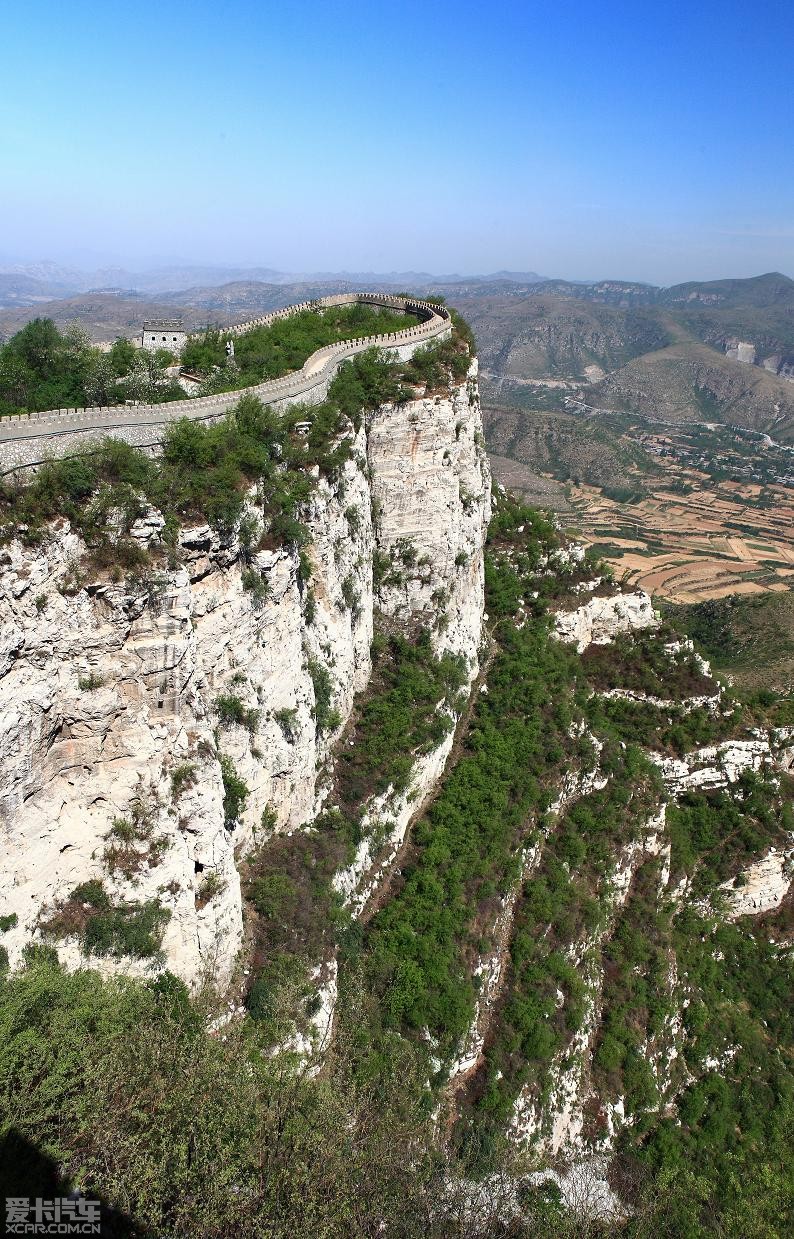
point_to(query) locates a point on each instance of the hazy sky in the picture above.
(644, 140)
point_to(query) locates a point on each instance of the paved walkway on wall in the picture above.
(29, 438)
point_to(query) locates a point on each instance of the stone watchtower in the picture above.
(164, 333)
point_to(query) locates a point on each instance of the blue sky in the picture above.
(637, 140)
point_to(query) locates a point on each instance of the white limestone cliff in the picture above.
(109, 705)
(432, 499)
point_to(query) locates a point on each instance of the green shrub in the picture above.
(272, 894)
(92, 892)
(255, 584)
(182, 777)
(233, 712)
(40, 954)
(211, 885)
(268, 820)
(87, 683)
(326, 718)
(287, 719)
(130, 929)
(235, 791)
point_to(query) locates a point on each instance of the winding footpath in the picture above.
(27, 439)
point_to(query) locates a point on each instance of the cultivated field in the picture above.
(715, 539)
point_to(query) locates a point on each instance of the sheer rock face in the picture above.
(432, 497)
(109, 691)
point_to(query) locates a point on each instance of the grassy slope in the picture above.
(750, 639)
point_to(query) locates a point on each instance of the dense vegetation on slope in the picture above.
(658, 959)
(467, 851)
(197, 1133)
(119, 1084)
(750, 639)
(563, 906)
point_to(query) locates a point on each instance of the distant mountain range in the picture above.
(29, 283)
(720, 351)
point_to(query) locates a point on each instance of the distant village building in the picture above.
(164, 333)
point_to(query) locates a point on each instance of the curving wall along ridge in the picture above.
(28, 438)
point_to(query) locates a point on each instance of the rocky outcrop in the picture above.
(707, 701)
(782, 741)
(432, 499)
(740, 350)
(600, 620)
(137, 702)
(761, 887)
(712, 767)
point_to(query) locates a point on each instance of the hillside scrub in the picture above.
(715, 834)
(752, 638)
(105, 928)
(665, 729)
(564, 902)
(406, 711)
(186, 1134)
(118, 1087)
(467, 849)
(640, 663)
(734, 1120)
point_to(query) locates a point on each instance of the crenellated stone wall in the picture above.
(29, 438)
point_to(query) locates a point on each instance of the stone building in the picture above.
(164, 333)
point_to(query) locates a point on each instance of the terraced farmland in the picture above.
(713, 540)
